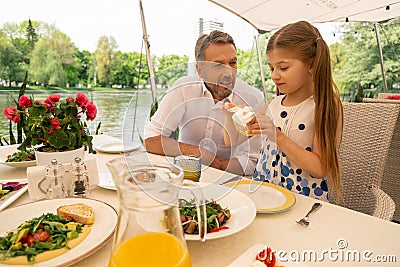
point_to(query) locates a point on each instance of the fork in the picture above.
(305, 220)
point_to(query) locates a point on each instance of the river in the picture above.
(115, 110)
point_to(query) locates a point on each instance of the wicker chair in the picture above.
(367, 133)
(391, 174)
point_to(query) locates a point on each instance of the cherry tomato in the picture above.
(30, 240)
(270, 261)
(42, 236)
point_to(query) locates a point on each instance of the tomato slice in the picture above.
(30, 240)
(224, 227)
(41, 236)
(271, 259)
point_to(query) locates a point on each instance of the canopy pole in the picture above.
(378, 39)
(257, 39)
(148, 55)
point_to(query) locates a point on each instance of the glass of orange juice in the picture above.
(149, 230)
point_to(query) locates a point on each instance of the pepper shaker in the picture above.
(80, 179)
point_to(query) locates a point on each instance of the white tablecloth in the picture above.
(331, 227)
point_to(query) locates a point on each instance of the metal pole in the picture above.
(148, 55)
(257, 40)
(378, 39)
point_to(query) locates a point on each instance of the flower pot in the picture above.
(44, 158)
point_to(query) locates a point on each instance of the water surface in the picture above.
(116, 110)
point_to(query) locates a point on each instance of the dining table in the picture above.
(335, 236)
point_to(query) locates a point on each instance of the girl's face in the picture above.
(289, 73)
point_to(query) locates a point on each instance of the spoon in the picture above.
(305, 220)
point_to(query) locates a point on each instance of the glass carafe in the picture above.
(149, 230)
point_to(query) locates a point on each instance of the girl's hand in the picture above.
(262, 124)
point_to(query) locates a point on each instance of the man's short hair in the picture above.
(215, 37)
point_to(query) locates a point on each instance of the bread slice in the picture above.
(81, 213)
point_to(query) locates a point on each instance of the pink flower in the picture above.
(16, 119)
(55, 123)
(91, 111)
(394, 97)
(25, 102)
(12, 114)
(70, 99)
(81, 99)
(80, 132)
(50, 131)
(38, 102)
(51, 101)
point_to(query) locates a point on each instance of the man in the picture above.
(194, 105)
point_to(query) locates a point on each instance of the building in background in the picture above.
(206, 26)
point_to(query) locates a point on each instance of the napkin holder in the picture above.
(36, 175)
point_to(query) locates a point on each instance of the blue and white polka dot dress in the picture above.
(296, 122)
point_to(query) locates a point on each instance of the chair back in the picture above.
(391, 173)
(366, 137)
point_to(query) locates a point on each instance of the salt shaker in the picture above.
(55, 184)
(80, 179)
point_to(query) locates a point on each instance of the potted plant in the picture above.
(54, 125)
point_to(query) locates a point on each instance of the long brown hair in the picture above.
(305, 41)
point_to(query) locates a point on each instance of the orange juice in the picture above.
(151, 250)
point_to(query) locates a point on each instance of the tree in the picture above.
(11, 61)
(169, 68)
(84, 62)
(46, 64)
(31, 35)
(105, 53)
(356, 61)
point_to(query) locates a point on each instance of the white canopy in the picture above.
(267, 15)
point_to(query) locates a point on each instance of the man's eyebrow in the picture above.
(223, 61)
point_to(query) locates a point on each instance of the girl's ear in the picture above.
(199, 71)
(311, 67)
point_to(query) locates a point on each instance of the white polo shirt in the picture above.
(191, 107)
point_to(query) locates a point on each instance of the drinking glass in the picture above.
(191, 166)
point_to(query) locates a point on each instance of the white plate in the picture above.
(268, 198)
(116, 147)
(106, 181)
(14, 195)
(249, 256)
(8, 150)
(242, 208)
(105, 221)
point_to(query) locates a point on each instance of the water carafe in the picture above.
(149, 230)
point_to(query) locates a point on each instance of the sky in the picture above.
(169, 23)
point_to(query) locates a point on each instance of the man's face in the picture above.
(219, 69)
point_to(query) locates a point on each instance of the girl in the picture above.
(304, 120)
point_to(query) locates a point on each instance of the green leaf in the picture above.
(58, 139)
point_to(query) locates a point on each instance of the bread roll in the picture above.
(81, 213)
